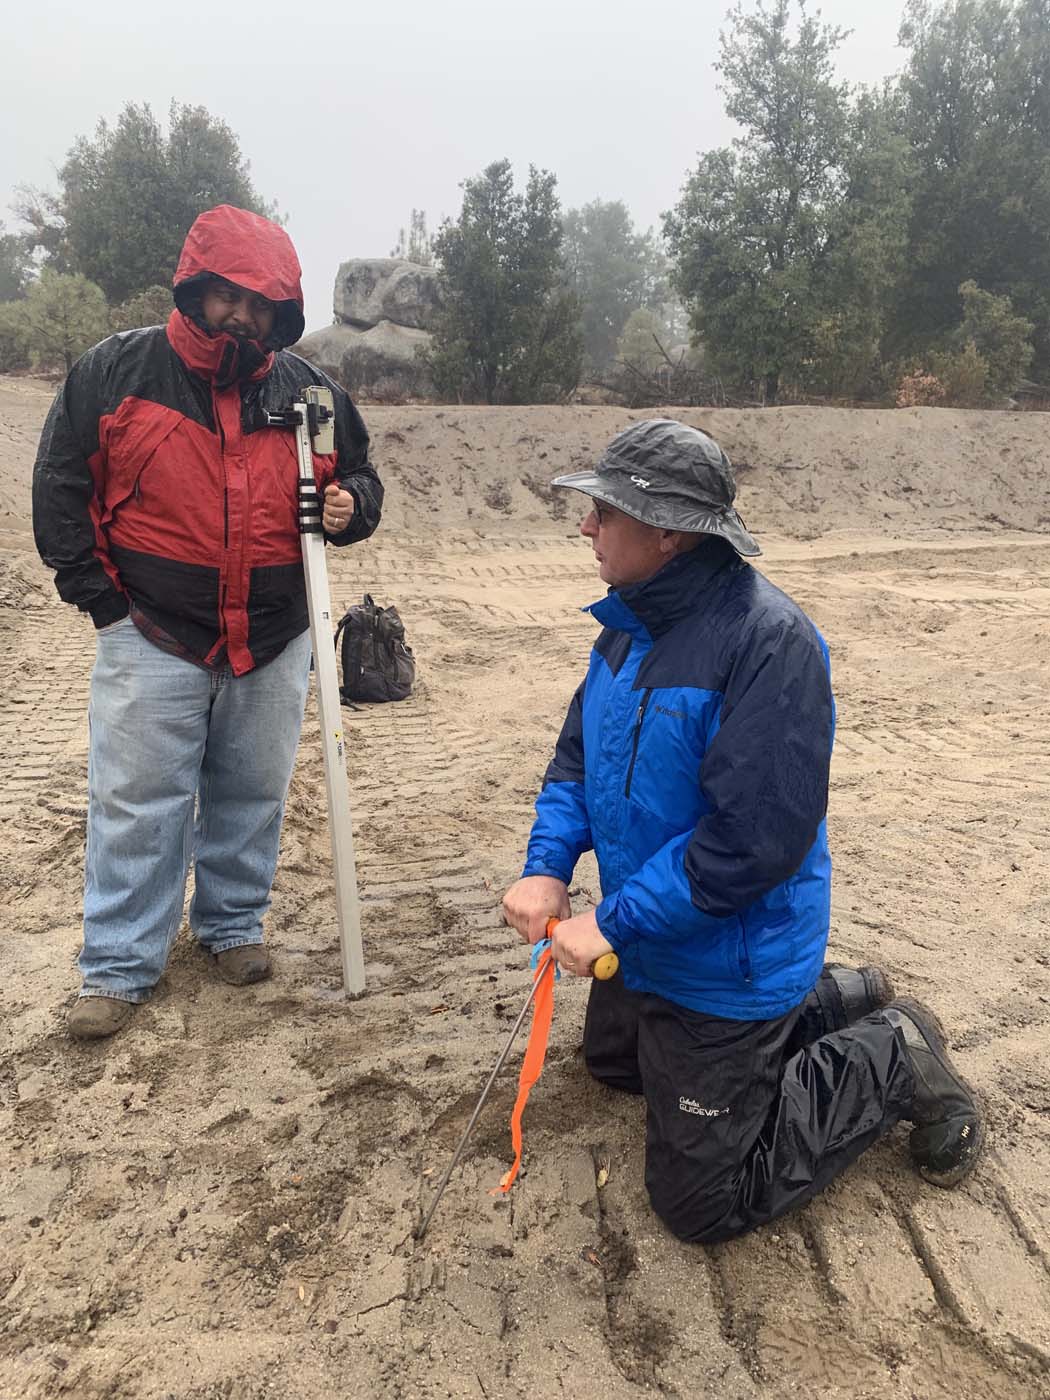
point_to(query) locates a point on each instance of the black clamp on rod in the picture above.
(318, 418)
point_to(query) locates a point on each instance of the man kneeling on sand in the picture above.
(694, 761)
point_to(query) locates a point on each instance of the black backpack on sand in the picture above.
(377, 662)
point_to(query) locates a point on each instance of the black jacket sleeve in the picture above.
(766, 772)
(354, 471)
(64, 492)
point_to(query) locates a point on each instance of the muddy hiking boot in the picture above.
(95, 1018)
(948, 1131)
(244, 965)
(861, 990)
(841, 996)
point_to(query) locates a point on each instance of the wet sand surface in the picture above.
(219, 1204)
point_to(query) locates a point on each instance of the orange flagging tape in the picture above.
(535, 1053)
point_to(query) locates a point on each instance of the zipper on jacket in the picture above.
(637, 735)
(225, 488)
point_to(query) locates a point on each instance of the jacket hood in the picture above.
(657, 604)
(251, 251)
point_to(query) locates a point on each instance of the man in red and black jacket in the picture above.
(169, 511)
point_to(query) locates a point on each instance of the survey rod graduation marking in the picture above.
(312, 418)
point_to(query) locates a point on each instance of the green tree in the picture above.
(15, 353)
(777, 243)
(613, 270)
(149, 308)
(416, 245)
(130, 193)
(41, 212)
(989, 331)
(865, 251)
(976, 110)
(1003, 340)
(63, 316)
(509, 332)
(639, 346)
(963, 374)
(16, 266)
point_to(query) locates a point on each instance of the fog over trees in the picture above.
(871, 244)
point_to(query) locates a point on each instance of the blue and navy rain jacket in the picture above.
(694, 761)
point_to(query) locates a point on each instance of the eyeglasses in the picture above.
(602, 512)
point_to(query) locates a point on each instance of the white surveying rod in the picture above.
(314, 418)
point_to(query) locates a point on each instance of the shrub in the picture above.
(919, 389)
(149, 308)
(964, 374)
(1000, 339)
(14, 337)
(64, 315)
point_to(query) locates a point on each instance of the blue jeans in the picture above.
(183, 763)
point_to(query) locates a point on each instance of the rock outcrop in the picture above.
(371, 290)
(385, 310)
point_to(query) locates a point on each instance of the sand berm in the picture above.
(219, 1204)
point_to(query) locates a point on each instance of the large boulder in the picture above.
(378, 362)
(325, 349)
(371, 290)
(385, 310)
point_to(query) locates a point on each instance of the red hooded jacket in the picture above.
(158, 486)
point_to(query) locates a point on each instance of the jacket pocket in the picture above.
(131, 444)
(636, 739)
(743, 951)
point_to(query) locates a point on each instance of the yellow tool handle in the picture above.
(603, 968)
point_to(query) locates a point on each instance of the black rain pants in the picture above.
(746, 1119)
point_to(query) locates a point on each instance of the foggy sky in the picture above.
(352, 114)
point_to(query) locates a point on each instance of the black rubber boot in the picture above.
(841, 996)
(948, 1135)
(861, 990)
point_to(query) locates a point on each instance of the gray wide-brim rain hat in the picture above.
(666, 474)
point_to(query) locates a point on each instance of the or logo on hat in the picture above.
(640, 481)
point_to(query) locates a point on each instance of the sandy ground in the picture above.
(219, 1205)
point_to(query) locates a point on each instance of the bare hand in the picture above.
(530, 902)
(578, 943)
(338, 508)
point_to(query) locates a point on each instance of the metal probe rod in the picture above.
(545, 967)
